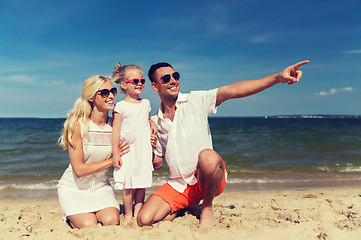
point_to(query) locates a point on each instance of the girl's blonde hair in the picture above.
(81, 111)
(120, 73)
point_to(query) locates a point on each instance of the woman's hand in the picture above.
(117, 161)
(124, 147)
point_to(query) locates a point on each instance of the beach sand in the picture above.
(332, 212)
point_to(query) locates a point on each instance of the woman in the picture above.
(85, 194)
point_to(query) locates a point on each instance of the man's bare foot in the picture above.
(127, 220)
(207, 220)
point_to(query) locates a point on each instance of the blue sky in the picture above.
(48, 48)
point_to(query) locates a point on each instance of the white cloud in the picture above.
(18, 79)
(28, 80)
(262, 38)
(333, 91)
(356, 51)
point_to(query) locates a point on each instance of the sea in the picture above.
(260, 152)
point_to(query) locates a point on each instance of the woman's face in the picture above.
(104, 103)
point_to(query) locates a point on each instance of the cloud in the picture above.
(28, 80)
(333, 91)
(262, 38)
(356, 51)
(19, 79)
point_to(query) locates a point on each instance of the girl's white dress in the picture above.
(137, 167)
(93, 192)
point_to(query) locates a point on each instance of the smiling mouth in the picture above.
(173, 87)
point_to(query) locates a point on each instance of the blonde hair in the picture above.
(81, 111)
(120, 73)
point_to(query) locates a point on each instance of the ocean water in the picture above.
(257, 150)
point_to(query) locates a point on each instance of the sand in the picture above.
(286, 213)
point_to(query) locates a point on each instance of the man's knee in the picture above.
(209, 160)
(144, 219)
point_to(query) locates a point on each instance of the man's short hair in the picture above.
(155, 67)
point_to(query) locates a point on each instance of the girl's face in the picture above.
(134, 87)
(103, 102)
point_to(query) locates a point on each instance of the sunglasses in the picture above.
(166, 78)
(135, 81)
(105, 92)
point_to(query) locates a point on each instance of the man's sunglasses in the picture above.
(135, 81)
(105, 92)
(166, 78)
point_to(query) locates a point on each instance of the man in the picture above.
(197, 172)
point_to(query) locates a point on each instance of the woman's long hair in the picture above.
(81, 111)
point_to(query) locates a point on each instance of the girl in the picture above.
(133, 172)
(84, 191)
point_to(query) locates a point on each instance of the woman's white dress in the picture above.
(93, 192)
(137, 167)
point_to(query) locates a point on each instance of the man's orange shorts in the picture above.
(192, 195)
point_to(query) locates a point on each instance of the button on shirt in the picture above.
(181, 140)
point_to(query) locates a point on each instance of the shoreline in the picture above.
(230, 187)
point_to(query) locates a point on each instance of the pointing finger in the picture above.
(299, 64)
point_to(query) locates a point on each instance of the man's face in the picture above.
(166, 90)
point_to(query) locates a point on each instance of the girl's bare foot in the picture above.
(127, 220)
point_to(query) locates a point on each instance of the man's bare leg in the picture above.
(210, 172)
(155, 209)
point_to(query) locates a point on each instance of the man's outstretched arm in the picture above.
(241, 89)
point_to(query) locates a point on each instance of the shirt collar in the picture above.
(181, 98)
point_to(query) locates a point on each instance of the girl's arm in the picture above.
(153, 132)
(77, 158)
(117, 123)
(153, 126)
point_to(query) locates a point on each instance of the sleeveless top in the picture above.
(95, 149)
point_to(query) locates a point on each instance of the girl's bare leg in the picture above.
(128, 206)
(139, 200)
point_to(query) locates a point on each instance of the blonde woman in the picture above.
(85, 194)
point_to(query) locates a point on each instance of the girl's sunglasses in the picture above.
(135, 81)
(166, 78)
(105, 92)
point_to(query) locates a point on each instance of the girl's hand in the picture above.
(153, 140)
(153, 127)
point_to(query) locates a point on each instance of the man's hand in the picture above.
(291, 74)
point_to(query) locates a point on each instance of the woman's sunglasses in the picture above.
(105, 92)
(166, 78)
(135, 81)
